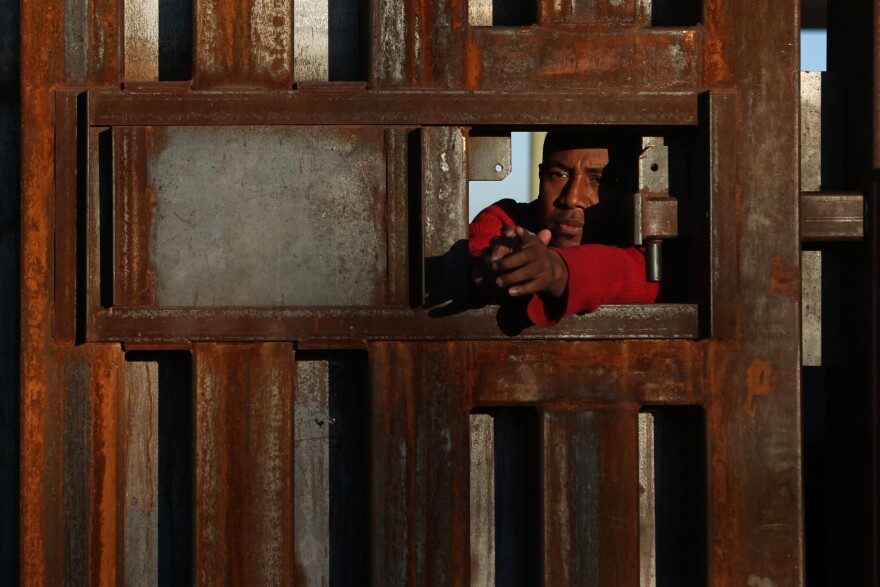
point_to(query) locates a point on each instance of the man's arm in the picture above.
(572, 280)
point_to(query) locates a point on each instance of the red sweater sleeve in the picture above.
(487, 225)
(597, 274)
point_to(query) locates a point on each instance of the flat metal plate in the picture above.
(268, 216)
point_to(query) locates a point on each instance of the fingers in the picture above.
(526, 271)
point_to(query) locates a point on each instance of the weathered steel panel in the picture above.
(417, 43)
(591, 498)
(140, 473)
(420, 461)
(268, 216)
(754, 445)
(311, 473)
(243, 464)
(42, 524)
(322, 105)
(551, 59)
(243, 43)
(627, 371)
(174, 325)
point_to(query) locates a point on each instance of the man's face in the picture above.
(570, 202)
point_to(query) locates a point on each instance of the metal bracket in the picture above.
(488, 157)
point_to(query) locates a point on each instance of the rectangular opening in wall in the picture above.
(673, 13)
(158, 40)
(331, 467)
(505, 497)
(650, 194)
(679, 489)
(157, 468)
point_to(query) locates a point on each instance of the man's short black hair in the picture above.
(623, 151)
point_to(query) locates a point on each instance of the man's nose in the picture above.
(580, 192)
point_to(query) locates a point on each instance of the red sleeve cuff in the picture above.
(597, 274)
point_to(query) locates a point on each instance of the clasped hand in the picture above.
(519, 263)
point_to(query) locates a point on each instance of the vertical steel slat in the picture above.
(647, 503)
(132, 217)
(444, 213)
(482, 505)
(721, 128)
(92, 382)
(311, 473)
(311, 40)
(243, 463)
(591, 497)
(420, 480)
(141, 40)
(243, 43)
(396, 141)
(140, 474)
(480, 12)
(75, 456)
(417, 43)
(389, 44)
(753, 417)
(66, 141)
(100, 180)
(106, 42)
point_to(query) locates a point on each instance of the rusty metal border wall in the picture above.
(746, 373)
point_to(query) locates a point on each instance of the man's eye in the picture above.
(558, 175)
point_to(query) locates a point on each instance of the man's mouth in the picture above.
(568, 226)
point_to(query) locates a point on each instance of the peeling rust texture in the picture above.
(640, 59)
(243, 443)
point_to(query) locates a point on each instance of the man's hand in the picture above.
(520, 263)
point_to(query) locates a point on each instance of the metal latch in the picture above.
(655, 212)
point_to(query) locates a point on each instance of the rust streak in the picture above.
(785, 280)
(761, 378)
